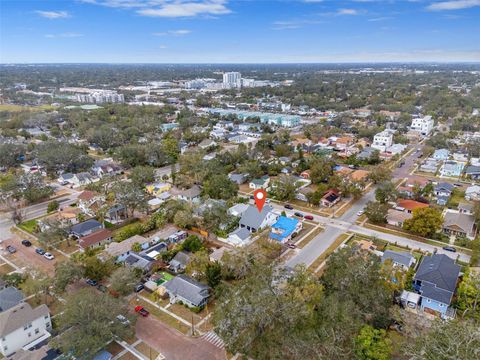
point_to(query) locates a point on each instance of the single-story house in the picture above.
(429, 166)
(473, 172)
(138, 261)
(237, 209)
(397, 218)
(436, 281)
(330, 198)
(10, 297)
(443, 189)
(441, 154)
(261, 183)
(253, 220)
(206, 143)
(85, 228)
(459, 224)
(408, 205)
(116, 213)
(472, 193)
(285, 228)
(122, 249)
(180, 261)
(190, 195)
(451, 168)
(465, 208)
(187, 290)
(95, 239)
(403, 260)
(239, 237)
(238, 179)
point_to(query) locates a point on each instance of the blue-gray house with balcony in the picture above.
(436, 281)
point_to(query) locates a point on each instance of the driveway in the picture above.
(174, 345)
(27, 257)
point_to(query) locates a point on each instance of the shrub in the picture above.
(128, 231)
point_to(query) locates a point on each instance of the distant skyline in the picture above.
(246, 31)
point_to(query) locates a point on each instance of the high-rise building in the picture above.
(232, 80)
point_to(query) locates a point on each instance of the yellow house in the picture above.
(158, 188)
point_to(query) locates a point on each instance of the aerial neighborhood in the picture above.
(135, 195)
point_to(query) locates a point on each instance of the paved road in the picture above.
(174, 345)
(31, 212)
(346, 222)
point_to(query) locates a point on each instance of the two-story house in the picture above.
(22, 327)
(253, 220)
(436, 281)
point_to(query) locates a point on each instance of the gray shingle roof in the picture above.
(85, 226)
(432, 292)
(251, 217)
(187, 288)
(463, 221)
(472, 169)
(181, 258)
(19, 316)
(444, 186)
(403, 258)
(242, 233)
(440, 270)
(10, 297)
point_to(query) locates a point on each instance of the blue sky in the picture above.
(245, 31)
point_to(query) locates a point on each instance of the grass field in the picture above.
(28, 226)
(19, 108)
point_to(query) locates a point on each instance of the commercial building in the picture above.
(232, 80)
(383, 140)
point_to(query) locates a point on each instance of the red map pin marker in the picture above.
(260, 196)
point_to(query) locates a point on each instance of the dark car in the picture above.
(308, 217)
(26, 243)
(91, 282)
(138, 287)
(102, 288)
(299, 214)
(11, 249)
(449, 248)
(39, 251)
(291, 246)
(288, 206)
(141, 310)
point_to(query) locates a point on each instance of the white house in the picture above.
(253, 220)
(382, 140)
(423, 125)
(22, 327)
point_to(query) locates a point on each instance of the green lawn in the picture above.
(28, 226)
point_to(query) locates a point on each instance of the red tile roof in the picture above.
(411, 204)
(87, 195)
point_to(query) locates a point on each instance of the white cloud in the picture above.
(347, 12)
(453, 5)
(383, 18)
(293, 24)
(162, 47)
(180, 32)
(168, 8)
(63, 35)
(187, 9)
(53, 14)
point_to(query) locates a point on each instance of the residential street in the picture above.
(174, 345)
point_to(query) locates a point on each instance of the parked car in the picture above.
(291, 246)
(123, 320)
(26, 243)
(102, 288)
(138, 287)
(48, 256)
(360, 213)
(39, 251)
(299, 214)
(91, 282)
(288, 206)
(141, 310)
(449, 248)
(11, 249)
(308, 217)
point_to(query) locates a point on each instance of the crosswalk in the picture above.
(214, 339)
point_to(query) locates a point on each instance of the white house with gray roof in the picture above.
(253, 220)
(187, 290)
(10, 297)
(402, 260)
(22, 327)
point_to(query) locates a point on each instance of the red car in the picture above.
(308, 217)
(141, 310)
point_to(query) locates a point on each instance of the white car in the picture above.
(360, 213)
(48, 256)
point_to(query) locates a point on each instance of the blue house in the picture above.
(436, 281)
(284, 228)
(441, 154)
